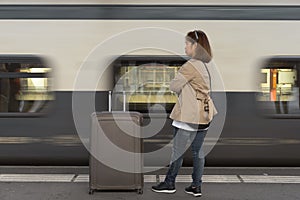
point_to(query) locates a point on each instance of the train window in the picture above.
(146, 80)
(279, 87)
(25, 85)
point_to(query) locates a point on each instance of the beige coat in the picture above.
(190, 105)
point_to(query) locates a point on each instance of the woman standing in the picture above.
(192, 113)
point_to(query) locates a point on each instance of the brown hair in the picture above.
(203, 51)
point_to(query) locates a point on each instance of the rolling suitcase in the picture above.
(106, 125)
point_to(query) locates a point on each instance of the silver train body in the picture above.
(255, 49)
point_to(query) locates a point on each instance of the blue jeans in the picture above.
(182, 140)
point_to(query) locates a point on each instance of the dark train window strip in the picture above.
(149, 12)
(25, 59)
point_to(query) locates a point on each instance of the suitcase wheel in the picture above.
(91, 191)
(140, 191)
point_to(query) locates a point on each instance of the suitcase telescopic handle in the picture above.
(109, 101)
(124, 101)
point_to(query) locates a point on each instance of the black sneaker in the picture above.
(196, 191)
(163, 187)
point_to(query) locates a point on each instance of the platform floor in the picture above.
(215, 191)
(65, 183)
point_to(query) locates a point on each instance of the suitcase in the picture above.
(103, 177)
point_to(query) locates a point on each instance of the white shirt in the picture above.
(183, 126)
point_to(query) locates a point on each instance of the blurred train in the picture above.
(44, 45)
